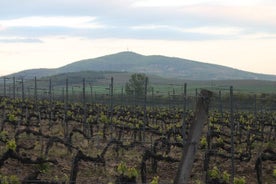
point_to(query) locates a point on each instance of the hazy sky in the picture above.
(51, 33)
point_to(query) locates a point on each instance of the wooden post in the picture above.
(91, 93)
(184, 113)
(65, 109)
(188, 154)
(35, 93)
(13, 88)
(85, 125)
(50, 101)
(22, 90)
(5, 86)
(111, 88)
(145, 108)
(232, 137)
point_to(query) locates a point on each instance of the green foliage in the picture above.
(90, 119)
(122, 168)
(43, 167)
(220, 140)
(136, 84)
(274, 173)
(223, 177)
(12, 179)
(12, 118)
(155, 180)
(103, 118)
(66, 178)
(4, 136)
(69, 113)
(214, 173)
(203, 142)
(239, 180)
(130, 172)
(11, 144)
(270, 144)
(4, 179)
(226, 176)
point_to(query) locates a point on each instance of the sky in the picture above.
(51, 33)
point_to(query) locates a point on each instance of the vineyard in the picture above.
(58, 138)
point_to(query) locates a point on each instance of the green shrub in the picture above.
(203, 142)
(122, 169)
(226, 177)
(239, 180)
(155, 180)
(11, 144)
(214, 173)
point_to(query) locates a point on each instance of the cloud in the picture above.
(78, 22)
(177, 3)
(208, 30)
(259, 36)
(212, 30)
(254, 15)
(19, 40)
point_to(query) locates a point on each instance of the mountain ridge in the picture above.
(169, 67)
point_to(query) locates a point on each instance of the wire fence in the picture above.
(108, 92)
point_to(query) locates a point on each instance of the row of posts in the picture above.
(111, 90)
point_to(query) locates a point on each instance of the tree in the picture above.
(136, 84)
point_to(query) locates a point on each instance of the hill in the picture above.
(166, 67)
(100, 80)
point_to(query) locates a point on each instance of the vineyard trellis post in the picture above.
(152, 96)
(184, 113)
(207, 155)
(190, 148)
(66, 109)
(122, 95)
(28, 92)
(50, 91)
(232, 136)
(9, 90)
(13, 88)
(91, 92)
(83, 93)
(111, 90)
(4, 86)
(85, 125)
(220, 107)
(35, 93)
(62, 95)
(50, 100)
(22, 90)
(196, 95)
(66, 94)
(145, 107)
(255, 105)
(220, 104)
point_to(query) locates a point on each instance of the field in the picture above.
(52, 141)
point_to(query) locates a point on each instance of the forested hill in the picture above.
(170, 67)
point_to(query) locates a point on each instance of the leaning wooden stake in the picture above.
(189, 150)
